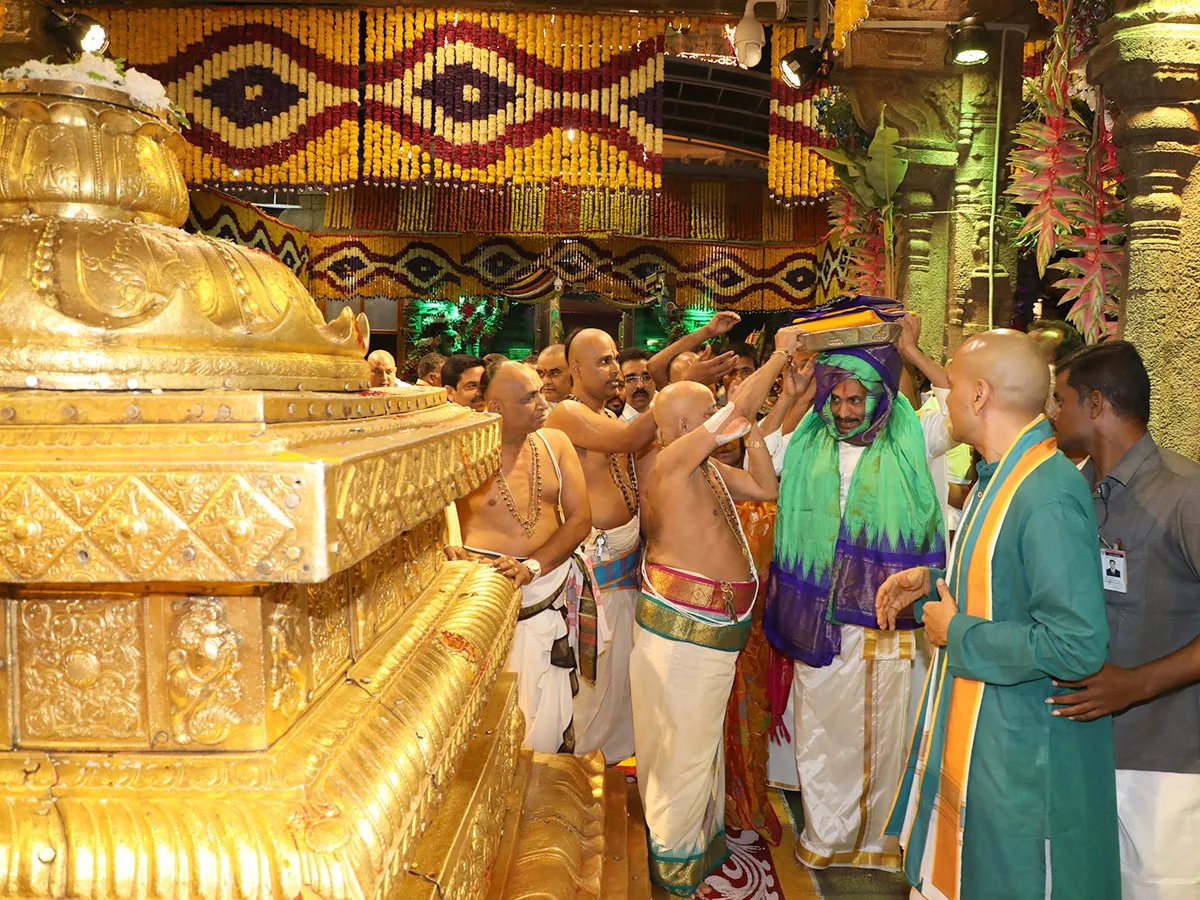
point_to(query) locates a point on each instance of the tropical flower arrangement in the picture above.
(1065, 172)
(862, 213)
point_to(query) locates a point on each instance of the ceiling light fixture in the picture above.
(804, 64)
(970, 44)
(77, 31)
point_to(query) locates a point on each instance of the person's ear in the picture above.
(493, 406)
(1095, 404)
(681, 426)
(980, 396)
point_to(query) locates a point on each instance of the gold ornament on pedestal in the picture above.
(233, 662)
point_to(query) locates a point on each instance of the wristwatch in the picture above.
(534, 567)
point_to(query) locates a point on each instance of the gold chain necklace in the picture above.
(628, 485)
(535, 492)
(717, 485)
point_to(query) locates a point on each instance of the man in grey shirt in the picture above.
(1148, 508)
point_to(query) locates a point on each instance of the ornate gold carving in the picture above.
(287, 679)
(203, 666)
(328, 605)
(82, 678)
(254, 518)
(114, 298)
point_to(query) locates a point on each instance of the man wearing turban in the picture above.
(856, 504)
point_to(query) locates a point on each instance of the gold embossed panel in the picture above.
(81, 669)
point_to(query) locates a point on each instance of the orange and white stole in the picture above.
(933, 791)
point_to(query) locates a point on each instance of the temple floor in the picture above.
(757, 871)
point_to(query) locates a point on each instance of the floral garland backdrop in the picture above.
(687, 208)
(221, 216)
(627, 271)
(517, 99)
(272, 94)
(796, 174)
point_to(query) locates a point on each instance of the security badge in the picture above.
(1114, 571)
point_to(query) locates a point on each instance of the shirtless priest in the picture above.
(699, 586)
(514, 520)
(607, 447)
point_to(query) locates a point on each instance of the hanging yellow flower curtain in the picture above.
(795, 172)
(272, 94)
(513, 99)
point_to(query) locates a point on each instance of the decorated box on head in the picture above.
(850, 322)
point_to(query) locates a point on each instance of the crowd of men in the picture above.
(680, 522)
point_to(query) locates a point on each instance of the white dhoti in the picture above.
(541, 658)
(680, 694)
(1159, 819)
(850, 736)
(603, 712)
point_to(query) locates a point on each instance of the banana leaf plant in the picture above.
(872, 182)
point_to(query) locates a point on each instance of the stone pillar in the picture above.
(946, 116)
(1148, 62)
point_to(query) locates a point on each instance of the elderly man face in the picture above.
(383, 368)
(556, 377)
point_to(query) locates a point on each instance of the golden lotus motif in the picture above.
(91, 197)
(235, 663)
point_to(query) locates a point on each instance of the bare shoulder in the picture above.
(558, 440)
(565, 412)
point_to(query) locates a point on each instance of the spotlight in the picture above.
(748, 38)
(800, 66)
(78, 32)
(970, 44)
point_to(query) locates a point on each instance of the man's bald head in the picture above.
(681, 407)
(999, 373)
(382, 366)
(515, 392)
(592, 359)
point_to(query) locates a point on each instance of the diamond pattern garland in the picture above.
(272, 94)
(528, 99)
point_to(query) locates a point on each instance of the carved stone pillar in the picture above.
(1148, 62)
(946, 116)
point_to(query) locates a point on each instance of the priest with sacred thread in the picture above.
(698, 588)
(1000, 799)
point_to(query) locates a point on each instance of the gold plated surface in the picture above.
(224, 501)
(99, 292)
(334, 809)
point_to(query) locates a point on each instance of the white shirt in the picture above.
(629, 413)
(848, 456)
(776, 443)
(934, 416)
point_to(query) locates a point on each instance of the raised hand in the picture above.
(709, 369)
(721, 323)
(798, 378)
(787, 337)
(910, 331)
(900, 590)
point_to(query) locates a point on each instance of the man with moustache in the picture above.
(699, 585)
(639, 383)
(856, 503)
(1000, 799)
(529, 519)
(607, 448)
(556, 376)
(461, 377)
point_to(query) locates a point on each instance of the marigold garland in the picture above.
(493, 99)
(272, 94)
(847, 15)
(794, 172)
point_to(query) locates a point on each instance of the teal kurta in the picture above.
(1033, 776)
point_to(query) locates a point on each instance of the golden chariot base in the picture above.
(233, 660)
